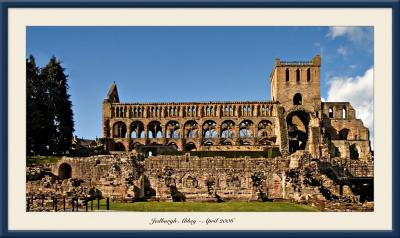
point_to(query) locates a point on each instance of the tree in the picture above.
(34, 116)
(49, 109)
(61, 105)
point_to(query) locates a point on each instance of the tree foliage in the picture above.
(49, 109)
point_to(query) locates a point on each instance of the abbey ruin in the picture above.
(295, 119)
(292, 147)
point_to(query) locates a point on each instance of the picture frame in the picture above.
(5, 116)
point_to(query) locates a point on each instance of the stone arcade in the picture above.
(295, 119)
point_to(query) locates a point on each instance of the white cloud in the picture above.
(353, 33)
(359, 92)
(342, 51)
(353, 66)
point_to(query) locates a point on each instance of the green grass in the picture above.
(207, 207)
(42, 159)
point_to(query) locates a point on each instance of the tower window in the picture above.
(330, 111)
(287, 75)
(297, 99)
(344, 113)
(308, 75)
(297, 75)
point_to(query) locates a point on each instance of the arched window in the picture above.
(190, 129)
(119, 147)
(210, 130)
(354, 152)
(308, 75)
(65, 171)
(343, 134)
(227, 129)
(297, 75)
(137, 130)
(344, 113)
(154, 130)
(246, 131)
(190, 147)
(297, 99)
(330, 111)
(119, 130)
(287, 75)
(172, 129)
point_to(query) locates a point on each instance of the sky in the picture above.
(187, 64)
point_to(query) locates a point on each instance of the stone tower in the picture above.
(112, 97)
(297, 84)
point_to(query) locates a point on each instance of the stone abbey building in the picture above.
(325, 156)
(295, 119)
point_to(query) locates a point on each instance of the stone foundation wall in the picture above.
(204, 178)
(131, 177)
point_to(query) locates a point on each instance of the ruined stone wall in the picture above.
(119, 176)
(114, 175)
(295, 119)
(355, 150)
(132, 177)
(202, 126)
(232, 178)
(347, 137)
(126, 177)
(283, 135)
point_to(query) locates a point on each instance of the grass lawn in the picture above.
(42, 159)
(208, 207)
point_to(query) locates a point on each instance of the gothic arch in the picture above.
(297, 99)
(344, 134)
(137, 129)
(297, 124)
(227, 129)
(246, 130)
(190, 146)
(264, 131)
(210, 129)
(119, 146)
(172, 130)
(119, 130)
(154, 130)
(190, 129)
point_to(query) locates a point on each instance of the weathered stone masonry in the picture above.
(295, 119)
(325, 149)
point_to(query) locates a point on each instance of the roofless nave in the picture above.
(295, 119)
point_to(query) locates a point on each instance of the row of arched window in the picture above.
(191, 111)
(208, 131)
(297, 75)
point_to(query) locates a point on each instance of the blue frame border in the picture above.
(5, 5)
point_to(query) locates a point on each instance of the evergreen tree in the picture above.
(33, 122)
(60, 105)
(49, 109)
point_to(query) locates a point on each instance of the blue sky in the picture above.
(161, 64)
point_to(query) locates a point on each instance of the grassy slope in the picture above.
(208, 207)
(42, 159)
